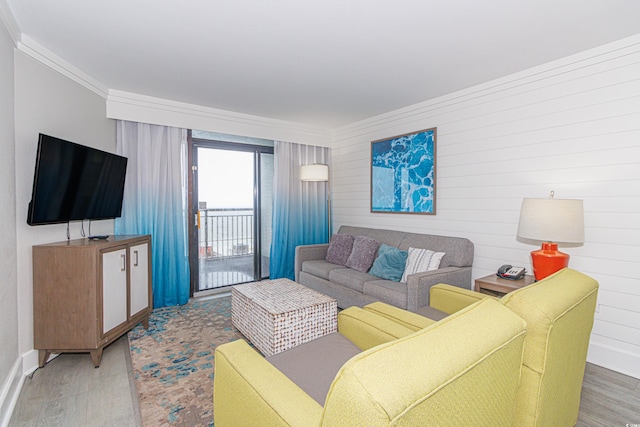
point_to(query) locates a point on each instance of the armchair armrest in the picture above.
(367, 329)
(450, 299)
(249, 391)
(446, 298)
(408, 319)
(308, 252)
(419, 284)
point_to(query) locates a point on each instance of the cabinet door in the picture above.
(114, 289)
(139, 275)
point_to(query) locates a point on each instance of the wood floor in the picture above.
(69, 391)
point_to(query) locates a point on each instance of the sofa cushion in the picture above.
(390, 263)
(314, 364)
(394, 293)
(339, 249)
(350, 278)
(363, 253)
(420, 260)
(320, 268)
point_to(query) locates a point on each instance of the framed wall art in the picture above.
(403, 173)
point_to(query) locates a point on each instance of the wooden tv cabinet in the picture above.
(87, 293)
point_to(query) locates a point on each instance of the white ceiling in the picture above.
(327, 63)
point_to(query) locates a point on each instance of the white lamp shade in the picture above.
(552, 220)
(315, 172)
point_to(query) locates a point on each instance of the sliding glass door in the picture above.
(230, 235)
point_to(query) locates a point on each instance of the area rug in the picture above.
(173, 361)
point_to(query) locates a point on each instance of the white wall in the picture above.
(572, 126)
(10, 364)
(48, 102)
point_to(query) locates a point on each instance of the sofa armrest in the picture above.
(367, 329)
(248, 390)
(419, 284)
(308, 252)
(450, 299)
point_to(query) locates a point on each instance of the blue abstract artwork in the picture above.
(403, 173)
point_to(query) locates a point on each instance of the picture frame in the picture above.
(403, 173)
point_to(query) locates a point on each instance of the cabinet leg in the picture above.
(43, 356)
(145, 322)
(96, 357)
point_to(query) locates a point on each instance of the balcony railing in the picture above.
(225, 233)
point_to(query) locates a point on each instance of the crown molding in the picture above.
(33, 49)
(43, 55)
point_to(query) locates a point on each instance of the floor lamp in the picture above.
(319, 173)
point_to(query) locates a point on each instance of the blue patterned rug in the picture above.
(173, 361)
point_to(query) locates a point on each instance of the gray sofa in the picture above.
(351, 287)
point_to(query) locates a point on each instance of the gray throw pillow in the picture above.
(363, 253)
(339, 249)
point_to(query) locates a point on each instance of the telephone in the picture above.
(510, 272)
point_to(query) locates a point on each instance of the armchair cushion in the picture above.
(314, 364)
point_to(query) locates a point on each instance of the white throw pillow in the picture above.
(420, 260)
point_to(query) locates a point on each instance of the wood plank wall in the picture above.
(571, 126)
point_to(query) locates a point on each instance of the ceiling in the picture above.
(324, 63)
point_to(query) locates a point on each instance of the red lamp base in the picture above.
(548, 260)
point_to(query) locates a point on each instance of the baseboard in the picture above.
(10, 392)
(618, 360)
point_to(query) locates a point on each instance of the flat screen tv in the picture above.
(73, 182)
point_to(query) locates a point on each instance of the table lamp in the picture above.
(551, 221)
(320, 173)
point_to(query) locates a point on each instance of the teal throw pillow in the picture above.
(390, 263)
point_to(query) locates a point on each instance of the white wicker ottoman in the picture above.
(276, 315)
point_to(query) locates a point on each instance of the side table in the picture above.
(496, 286)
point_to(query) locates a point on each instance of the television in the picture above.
(73, 182)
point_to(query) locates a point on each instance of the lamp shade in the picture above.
(314, 172)
(552, 220)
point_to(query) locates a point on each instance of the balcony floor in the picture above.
(219, 272)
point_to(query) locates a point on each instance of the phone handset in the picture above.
(510, 272)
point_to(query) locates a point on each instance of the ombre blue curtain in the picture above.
(155, 203)
(299, 208)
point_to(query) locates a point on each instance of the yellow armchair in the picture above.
(559, 311)
(463, 370)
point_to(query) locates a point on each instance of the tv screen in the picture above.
(73, 182)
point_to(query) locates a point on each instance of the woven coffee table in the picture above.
(276, 315)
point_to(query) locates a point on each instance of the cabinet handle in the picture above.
(124, 262)
(135, 262)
